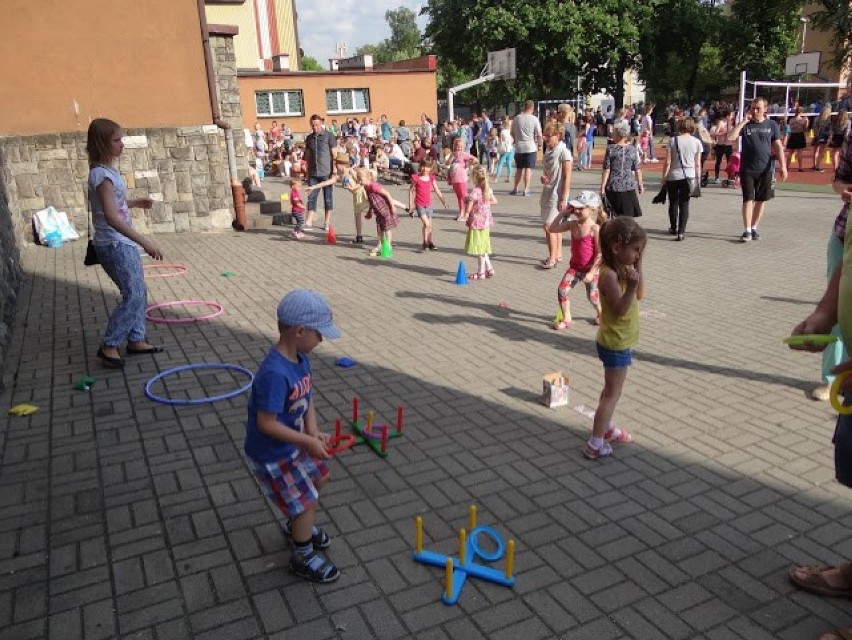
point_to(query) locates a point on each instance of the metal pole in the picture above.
(450, 94)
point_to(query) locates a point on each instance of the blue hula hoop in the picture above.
(192, 367)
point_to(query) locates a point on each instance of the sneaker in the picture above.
(325, 227)
(320, 539)
(746, 237)
(294, 235)
(314, 567)
(432, 247)
(717, 181)
(357, 240)
(528, 194)
(821, 393)
(755, 235)
(593, 454)
(513, 193)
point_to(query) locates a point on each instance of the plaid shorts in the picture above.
(289, 483)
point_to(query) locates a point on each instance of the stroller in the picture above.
(733, 171)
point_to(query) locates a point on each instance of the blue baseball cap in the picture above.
(308, 308)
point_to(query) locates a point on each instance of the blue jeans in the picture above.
(506, 159)
(123, 265)
(327, 194)
(586, 156)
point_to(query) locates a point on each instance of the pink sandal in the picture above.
(561, 325)
(477, 276)
(623, 436)
(489, 273)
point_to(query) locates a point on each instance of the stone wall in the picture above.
(184, 170)
(225, 68)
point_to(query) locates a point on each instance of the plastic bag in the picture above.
(50, 220)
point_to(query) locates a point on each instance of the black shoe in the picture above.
(432, 247)
(672, 231)
(139, 352)
(680, 237)
(755, 235)
(108, 361)
(358, 240)
(314, 567)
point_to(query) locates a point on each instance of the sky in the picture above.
(323, 23)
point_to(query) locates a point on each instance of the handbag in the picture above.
(694, 184)
(91, 254)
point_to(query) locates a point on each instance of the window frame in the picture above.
(274, 114)
(340, 110)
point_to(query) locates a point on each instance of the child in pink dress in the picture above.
(457, 166)
(479, 223)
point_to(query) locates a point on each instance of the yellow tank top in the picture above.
(618, 332)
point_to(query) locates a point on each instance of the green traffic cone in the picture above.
(386, 251)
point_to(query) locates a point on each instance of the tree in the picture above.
(759, 35)
(555, 40)
(309, 63)
(680, 56)
(404, 41)
(835, 17)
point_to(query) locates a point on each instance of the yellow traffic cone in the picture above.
(810, 134)
(826, 159)
(793, 158)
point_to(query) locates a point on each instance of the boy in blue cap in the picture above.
(287, 451)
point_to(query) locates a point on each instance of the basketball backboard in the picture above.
(802, 63)
(502, 64)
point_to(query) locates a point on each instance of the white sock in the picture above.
(596, 443)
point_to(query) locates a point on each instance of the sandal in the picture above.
(623, 436)
(814, 582)
(489, 273)
(374, 252)
(561, 325)
(593, 454)
(548, 264)
(477, 276)
(314, 567)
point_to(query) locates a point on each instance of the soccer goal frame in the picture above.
(755, 85)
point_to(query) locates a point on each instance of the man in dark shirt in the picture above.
(318, 154)
(757, 166)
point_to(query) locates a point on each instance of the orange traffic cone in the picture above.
(330, 238)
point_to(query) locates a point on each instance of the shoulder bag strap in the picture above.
(682, 169)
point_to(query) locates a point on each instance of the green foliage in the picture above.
(308, 63)
(681, 58)
(555, 40)
(404, 41)
(835, 17)
(760, 34)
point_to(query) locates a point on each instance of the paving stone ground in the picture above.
(122, 518)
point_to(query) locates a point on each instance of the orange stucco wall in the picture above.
(139, 63)
(400, 95)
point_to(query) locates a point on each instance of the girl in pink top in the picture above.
(457, 167)
(479, 223)
(420, 199)
(585, 253)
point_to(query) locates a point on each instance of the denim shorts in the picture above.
(423, 212)
(843, 449)
(614, 359)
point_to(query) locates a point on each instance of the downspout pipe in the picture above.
(237, 192)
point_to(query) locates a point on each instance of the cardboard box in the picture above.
(555, 390)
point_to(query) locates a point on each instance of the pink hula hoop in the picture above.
(219, 310)
(181, 269)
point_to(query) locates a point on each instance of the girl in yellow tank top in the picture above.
(621, 287)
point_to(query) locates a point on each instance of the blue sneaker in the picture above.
(755, 235)
(314, 566)
(746, 237)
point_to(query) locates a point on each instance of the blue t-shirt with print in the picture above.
(281, 387)
(104, 233)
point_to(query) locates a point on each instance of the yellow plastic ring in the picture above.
(836, 402)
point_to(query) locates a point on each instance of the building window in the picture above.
(347, 100)
(279, 103)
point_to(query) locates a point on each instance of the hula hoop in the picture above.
(187, 303)
(191, 367)
(834, 394)
(154, 266)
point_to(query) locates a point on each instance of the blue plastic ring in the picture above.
(491, 533)
(191, 367)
